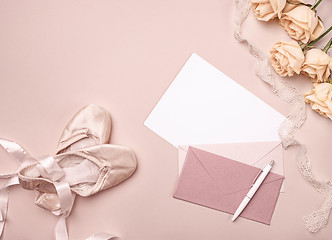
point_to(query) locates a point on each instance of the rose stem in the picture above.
(316, 5)
(320, 37)
(327, 46)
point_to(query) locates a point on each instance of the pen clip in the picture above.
(259, 173)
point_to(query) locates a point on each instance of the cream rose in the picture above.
(317, 65)
(320, 99)
(265, 10)
(287, 58)
(290, 5)
(301, 23)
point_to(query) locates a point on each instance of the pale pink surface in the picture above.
(57, 56)
(221, 183)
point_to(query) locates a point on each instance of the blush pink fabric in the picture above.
(221, 183)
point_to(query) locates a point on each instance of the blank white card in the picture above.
(204, 106)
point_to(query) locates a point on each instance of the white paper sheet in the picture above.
(204, 106)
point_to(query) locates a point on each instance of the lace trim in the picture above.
(294, 121)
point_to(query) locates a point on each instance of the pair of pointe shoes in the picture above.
(84, 160)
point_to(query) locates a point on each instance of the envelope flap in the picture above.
(269, 151)
(230, 176)
(256, 154)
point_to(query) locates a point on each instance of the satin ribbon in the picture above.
(4, 200)
(49, 169)
(20, 155)
(102, 236)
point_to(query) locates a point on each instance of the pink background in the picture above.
(57, 56)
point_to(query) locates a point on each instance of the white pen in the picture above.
(264, 172)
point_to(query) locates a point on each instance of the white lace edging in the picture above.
(294, 121)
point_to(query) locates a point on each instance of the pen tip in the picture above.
(271, 163)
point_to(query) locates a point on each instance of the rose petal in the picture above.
(301, 23)
(318, 31)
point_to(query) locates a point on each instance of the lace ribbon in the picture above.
(294, 121)
(50, 169)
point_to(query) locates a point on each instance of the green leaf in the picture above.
(316, 5)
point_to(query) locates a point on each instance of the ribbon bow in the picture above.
(49, 169)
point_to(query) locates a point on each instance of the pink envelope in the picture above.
(221, 183)
(257, 154)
